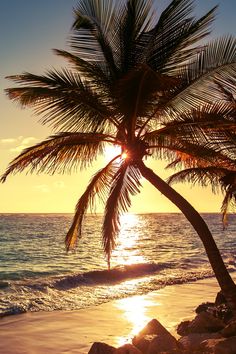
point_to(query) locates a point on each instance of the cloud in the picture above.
(42, 188)
(27, 141)
(8, 141)
(59, 184)
(23, 143)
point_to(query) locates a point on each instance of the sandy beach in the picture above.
(114, 322)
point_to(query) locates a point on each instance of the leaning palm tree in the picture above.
(134, 82)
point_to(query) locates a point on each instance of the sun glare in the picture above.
(126, 251)
(111, 151)
(135, 309)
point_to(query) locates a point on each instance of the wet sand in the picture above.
(114, 322)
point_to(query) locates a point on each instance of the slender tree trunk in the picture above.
(222, 275)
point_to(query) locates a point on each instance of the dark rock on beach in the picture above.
(193, 341)
(229, 330)
(204, 322)
(101, 348)
(212, 331)
(219, 308)
(219, 346)
(127, 349)
(154, 339)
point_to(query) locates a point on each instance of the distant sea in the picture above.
(153, 250)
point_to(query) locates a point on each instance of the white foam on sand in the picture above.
(115, 322)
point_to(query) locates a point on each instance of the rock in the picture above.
(205, 307)
(163, 343)
(101, 348)
(219, 309)
(154, 338)
(205, 322)
(193, 340)
(182, 328)
(127, 349)
(153, 327)
(219, 346)
(229, 330)
(143, 342)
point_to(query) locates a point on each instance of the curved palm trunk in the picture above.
(222, 275)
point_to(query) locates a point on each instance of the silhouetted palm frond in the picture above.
(98, 187)
(202, 176)
(126, 183)
(60, 153)
(63, 99)
(215, 64)
(175, 35)
(92, 33)
(90, 72)
(219, 178)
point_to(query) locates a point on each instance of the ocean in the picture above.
(153, 250)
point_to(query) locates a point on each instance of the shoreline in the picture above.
(114, 322)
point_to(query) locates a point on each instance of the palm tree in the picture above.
(135, 81)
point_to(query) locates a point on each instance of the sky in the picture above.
(29, 30)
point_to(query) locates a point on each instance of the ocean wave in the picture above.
(74, 293)
(114, 275)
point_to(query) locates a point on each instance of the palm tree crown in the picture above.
(137, 80)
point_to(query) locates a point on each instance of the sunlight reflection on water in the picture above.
(127, 251)
(135, 312)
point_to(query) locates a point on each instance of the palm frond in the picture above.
(91, 32)
(183, 48)
(125, 183)
(60, 153)
(228, 185)
(91, 72)
(63, 100)
(98, 187)
(135, 18)
(174, 37)
(202, 176)
(216, 64)
(209, 118)
(219, 178)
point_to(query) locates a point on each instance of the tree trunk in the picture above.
(222, 275)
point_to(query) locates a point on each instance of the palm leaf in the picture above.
(218, 177)
(63, 99)
(98, 187)
(202, 176)
(211, 127)
(91, 72)
(91, 30)
(216, 64)
(59, 153)
(126, 183)
(173, 38)
(135, 18)
(228, 184)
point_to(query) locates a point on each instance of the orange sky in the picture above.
(26, 45)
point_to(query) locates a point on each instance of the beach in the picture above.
(114, 322)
